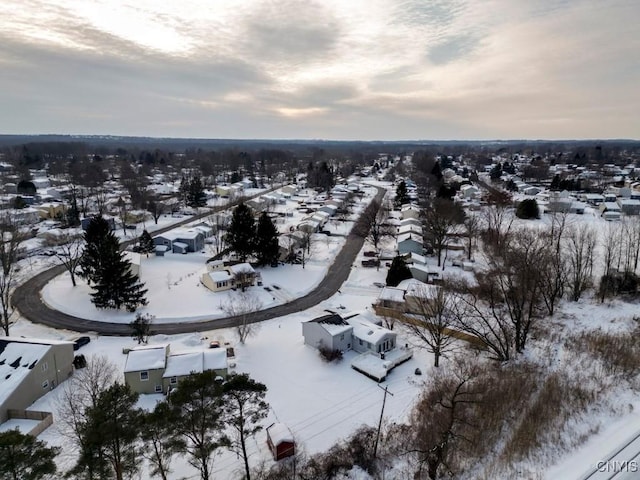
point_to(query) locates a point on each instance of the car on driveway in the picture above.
(80, 342)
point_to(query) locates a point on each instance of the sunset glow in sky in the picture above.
(331, 69)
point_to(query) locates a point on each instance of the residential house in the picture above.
(410, 211)
(410, 228)
(181, 240)
(410, 242)
(181, 365)
(418, 294)
(329, 331)
(469, 191)
(629, 206)
(217, 280)
(30, 368)
(220, 277)
(51, 210)
(144, 368)
(369, 337)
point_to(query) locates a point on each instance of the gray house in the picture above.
(29, 368)
(330, 331)
(409, 243)
(181, 240)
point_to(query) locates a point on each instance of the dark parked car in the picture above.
(80, 342)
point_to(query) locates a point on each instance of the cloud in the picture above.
(288, 68)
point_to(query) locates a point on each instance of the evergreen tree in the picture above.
(141, 327)
(183, 190)
(160, 443)
(95, 237)
(398, 271)
(267, 248)
(104, 265)
(196, 411)
(496, 172)
(528, 209)
(241, 233)
(25, 457)
(145, 243)
(111, 432)
(244, 408)
(196, 197)
(402, 195)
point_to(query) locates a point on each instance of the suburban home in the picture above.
(410, 243)
(29, 368)
(181, 240)
(217, 280)
(469, 191)
(369, 337)
(410, 211)
(290, 189)
(144, 368)
(418, 294)
(329, 331)
(410, 228)
(280, 441)
(594, 199)
(181, 365)
(223, 190)
(51, 210)
(392, 298)
(410, 221)
(220, 277)
(629, 206)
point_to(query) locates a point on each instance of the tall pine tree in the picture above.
(266, 247)
(145, 243)
(104, 266)
(241, 233)
(402, 195)
(195, 193)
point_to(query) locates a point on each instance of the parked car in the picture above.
(80, 342)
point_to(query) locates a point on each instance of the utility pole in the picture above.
(384, 400)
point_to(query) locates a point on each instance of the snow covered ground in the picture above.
(322, 403)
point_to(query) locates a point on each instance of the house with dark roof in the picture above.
(329, 331)
(29, 368)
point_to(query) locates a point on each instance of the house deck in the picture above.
(373, 366)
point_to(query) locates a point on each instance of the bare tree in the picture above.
(156, 208)
(442, 218)
(306, 246)
(498, 219)
(433, 320)
(80, 393)
(472, 227)
(372, 224)
(240, 305)
(442, 419)
(11, 238)
(611, 246)
(70, 252)
(478, 311)
(580, 245)
(517, 276)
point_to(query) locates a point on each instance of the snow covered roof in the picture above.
(403, 237)
(219, 275)
(182, 364)
(422, 290)
(279, 433)
(17, 357)
(392, 294)
(241, 268)
(152, 357)
(180, 245)
(368, 331)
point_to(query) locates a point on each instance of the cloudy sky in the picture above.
(331, 69)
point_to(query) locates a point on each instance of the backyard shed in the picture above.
(280, 441)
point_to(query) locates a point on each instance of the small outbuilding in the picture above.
(280, 441)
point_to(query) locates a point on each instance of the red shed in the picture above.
(280, 441)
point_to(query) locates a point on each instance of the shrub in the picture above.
(528, 209)
(329, 355)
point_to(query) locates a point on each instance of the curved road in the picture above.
(28, 301)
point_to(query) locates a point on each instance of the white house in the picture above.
(329, 331)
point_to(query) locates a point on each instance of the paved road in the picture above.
(27, 298)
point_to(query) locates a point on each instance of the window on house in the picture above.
(342, 336)
(173, 380)
(158, 388)
(144, 376)
(45, 366)
(360, 341)
(45, 384)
